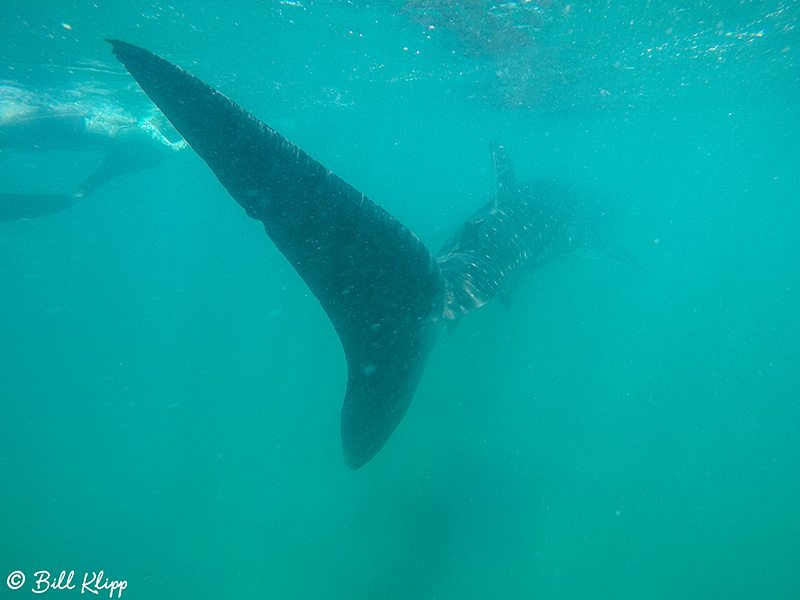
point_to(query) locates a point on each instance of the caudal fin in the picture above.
(376, 281)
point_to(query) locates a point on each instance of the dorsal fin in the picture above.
(504, 176)
(376, 281)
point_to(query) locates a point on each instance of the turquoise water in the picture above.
(171, 390)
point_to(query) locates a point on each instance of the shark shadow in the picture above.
(384, 291)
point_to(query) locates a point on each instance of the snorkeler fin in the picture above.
(29, 206)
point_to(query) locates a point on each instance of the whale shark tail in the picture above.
(380, 286)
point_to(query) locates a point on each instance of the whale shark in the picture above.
(385, 292)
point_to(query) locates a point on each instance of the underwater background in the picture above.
(170, 390)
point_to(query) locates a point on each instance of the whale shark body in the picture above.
(384, 291)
